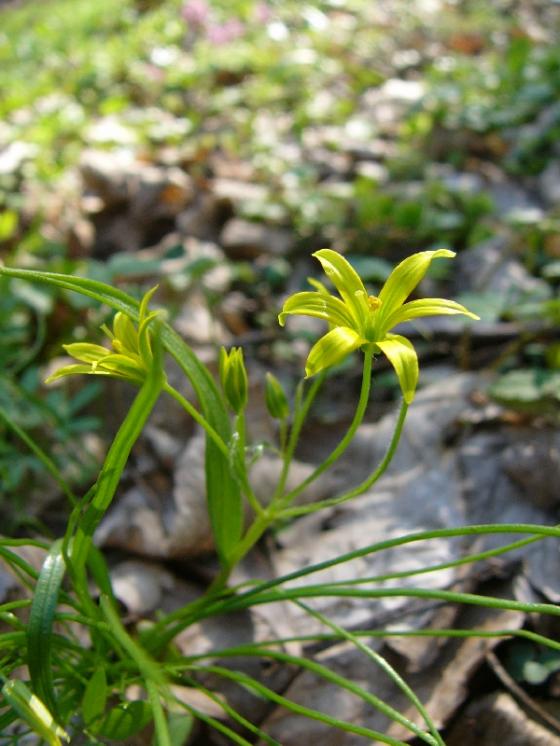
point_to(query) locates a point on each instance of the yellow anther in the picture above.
(373, 302)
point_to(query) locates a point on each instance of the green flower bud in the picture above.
(276, 399)
(233, 377)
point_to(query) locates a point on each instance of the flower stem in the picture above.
(240, 466)
(363, 486)
(286, 499)
(198, 418)
(300, 413)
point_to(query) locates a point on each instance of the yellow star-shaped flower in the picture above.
(357, 320)
(131, 354)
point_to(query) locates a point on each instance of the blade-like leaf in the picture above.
(33, 712)
(402, 356)
(40, 628)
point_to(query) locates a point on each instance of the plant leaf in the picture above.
(95, 696)
(124, 720)
(40, 628)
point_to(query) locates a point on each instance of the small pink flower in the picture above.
(196, 13)
(263, 12)
(224, 33)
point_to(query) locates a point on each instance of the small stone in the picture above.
(373, 171)
(15, 155)
(237, 191)
(497, 718)
(107, 175)
(549, 184)
(242, 239)
(198, 324)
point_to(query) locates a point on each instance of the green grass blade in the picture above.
(264, 691)
(232, 713)
(37, 451)
(40, 628)
(391, 673)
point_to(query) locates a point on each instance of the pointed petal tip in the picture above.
(445, 253)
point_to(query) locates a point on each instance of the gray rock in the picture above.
(533, 462)
(441, 686)
(203, 219)
(495, 719)
(549, 184)
(236, 191)
(242, 239)
(109, 175)
(128, 197)
(490, 268)
(15, 155)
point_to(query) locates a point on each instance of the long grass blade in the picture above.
(40, 628)
(264, 691)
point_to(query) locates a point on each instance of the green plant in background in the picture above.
(79, 689)
(28, 414)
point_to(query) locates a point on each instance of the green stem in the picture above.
(363, 486)
(300, 413)
(240, 466)
(253, 534)
(264, 518)
(218, 602)
(150, 671)
(198, 418)
(162, 737)
(286, 499)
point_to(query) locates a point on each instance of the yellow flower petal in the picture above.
(332, 348)
(70, 370)
(126, 336)
(402, 356)
(348, 283)
(415, 309)
(86, 352)
(318, 305)
(402, 281)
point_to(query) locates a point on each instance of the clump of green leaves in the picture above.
(75, 689)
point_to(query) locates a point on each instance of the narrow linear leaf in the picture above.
(263, 691)
(124, 720)
(33, 712)
(40, 628)
(95, 696)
